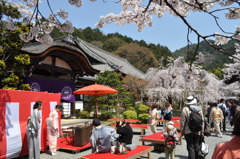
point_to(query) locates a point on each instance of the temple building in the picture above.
(69, 64)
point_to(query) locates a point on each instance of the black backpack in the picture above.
(195, 121)
(170, 142)
(167, 116)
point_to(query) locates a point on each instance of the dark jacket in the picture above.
(125, 134)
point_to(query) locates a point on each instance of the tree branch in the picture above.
(196, 32)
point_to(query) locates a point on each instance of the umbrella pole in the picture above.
(96, 106)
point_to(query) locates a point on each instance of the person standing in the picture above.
(238, 106)
(209, 109)
(167, 113)
(229, 104)
(232, 112)
(33, 126)
(223, 107)
(230, 149)
(102, 137)
(153, 115)
(125, 132)
(193, 138)
(53, 129)
(216, 117)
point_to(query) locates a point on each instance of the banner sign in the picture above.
(53, 86)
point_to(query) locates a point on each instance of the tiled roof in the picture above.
(108, 61)
(112, 60)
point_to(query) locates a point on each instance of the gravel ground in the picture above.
(181, 151)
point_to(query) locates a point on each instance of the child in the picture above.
(171, 137)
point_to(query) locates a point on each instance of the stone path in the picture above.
(181, 152)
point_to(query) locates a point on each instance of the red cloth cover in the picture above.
(136, 125)
(69, 145)
(126, 120)
(109, 155)
(156, 136)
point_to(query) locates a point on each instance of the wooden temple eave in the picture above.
(78, 62)
(57, 69)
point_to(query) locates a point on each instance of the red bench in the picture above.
(174, 119)
(177, 125)
(143, 127)
(139, 151)
(154, 138)
(126, 120)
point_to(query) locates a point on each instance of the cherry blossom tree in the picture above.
(177, 81)
(232, 78)
(139, 12)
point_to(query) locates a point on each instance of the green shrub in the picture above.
(106, 115)
(143, 118)
(131, 108)
(141, 108)
(84, 114)
(129, 114)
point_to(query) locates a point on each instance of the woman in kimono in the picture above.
(33, 125)
(53, 129)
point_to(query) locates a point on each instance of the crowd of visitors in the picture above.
(192, 127)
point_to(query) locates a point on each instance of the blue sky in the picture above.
(168, 31)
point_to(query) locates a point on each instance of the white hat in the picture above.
(191, 100)
(170, 127)
(170, 123)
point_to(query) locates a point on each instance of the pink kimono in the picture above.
(53, 130)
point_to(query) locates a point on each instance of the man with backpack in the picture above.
(192, 126)
(223, 107)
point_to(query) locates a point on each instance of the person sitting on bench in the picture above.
(102, 137)
(125, 132)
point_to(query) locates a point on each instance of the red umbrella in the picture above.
(96, 89)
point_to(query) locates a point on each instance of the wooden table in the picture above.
(139, 151)
(143, 127)
(126, 120)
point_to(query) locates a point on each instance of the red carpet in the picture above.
(69, 145)
(139, 148)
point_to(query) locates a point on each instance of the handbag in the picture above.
(204, 150)
(30, 127)
(120, 148)
(207, 129)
